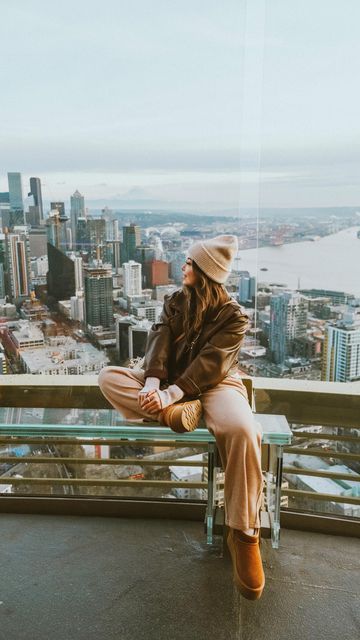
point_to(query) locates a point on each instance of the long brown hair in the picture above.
(202, 300)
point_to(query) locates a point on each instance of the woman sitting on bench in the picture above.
(190, 369)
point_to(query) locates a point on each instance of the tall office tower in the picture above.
(16, 214)
(288, 320)
(122, 325)
(77, 210)
(96, 229)
(144, 253)
(15, 191)
(114, 247)
(18, 264)
(132, 278)
(115, 230)
(82, 236)
(247, 287)
(98, 295)
(2, 266)
(157, 272)
(78, 269)
(77, 303)
(35, 192)
(341, 352)
(58, 206)
(56, 230)
(131, 239)
(61, 274)
(138, 334)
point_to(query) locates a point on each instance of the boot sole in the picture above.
(246, 592)
(188, 419)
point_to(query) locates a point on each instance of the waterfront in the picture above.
(332, 262)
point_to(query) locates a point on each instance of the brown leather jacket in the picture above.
(208, 359)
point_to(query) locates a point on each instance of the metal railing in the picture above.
(302, 402)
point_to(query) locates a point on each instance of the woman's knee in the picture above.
(242, 430)
(106, 374)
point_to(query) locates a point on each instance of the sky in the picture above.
(193, 104)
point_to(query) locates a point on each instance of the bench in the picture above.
(276, 434)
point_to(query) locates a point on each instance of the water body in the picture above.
(332, 262)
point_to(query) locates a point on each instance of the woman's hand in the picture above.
(150, 401)
(156, 400)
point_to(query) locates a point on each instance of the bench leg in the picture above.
(210, 509)
(275, 532)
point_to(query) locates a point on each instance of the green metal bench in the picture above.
(276, 434)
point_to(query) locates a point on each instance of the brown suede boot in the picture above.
(247, 565)
(182, 416)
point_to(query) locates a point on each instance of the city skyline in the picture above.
(215, 106)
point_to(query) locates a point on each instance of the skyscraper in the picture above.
(15, 191)
(288, 320)
(341, 352)
(61, 274)
(16, 214)
(58, 206)
(77, 210)
(2, 266)
(35, 192)
(96, 229)
(56, 229)
(247, 287)
(98, 295)
(131, 239)
(132, 278)
(17, 260)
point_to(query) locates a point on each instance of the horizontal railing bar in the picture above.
(321, 474)
(324, 436)
(102, 441)
(104, 483)
(298, 493)
(322, 454)
(118, 461)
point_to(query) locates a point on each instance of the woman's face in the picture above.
(189, 275)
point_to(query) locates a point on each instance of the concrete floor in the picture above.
(89, 578)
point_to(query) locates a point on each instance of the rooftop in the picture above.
(90, 578)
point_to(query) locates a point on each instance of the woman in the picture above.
(190, 365)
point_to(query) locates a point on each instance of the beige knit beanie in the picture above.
(214, 256)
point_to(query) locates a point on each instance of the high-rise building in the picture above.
(114, 247)
(132, 278)
(61, 274)
(77, 210)
(18, 264)
(77, 308)
(35, 191)
(288, 320)
(58, 206)
(247, 287)
(131, 239)
(341, 352)
(15, 191)
(2, 265)
(56, 230)
(16, 211)
(98, 295)
(156, 272)
(82, 235)
(96, 230)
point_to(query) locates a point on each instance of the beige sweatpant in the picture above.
(228, 416)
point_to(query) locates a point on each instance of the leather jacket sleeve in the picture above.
(158, 346)
(215, 359)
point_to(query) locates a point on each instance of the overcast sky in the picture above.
(200, 103)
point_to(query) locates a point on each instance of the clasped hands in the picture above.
(152, 399)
